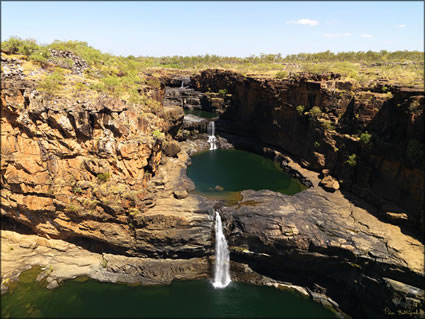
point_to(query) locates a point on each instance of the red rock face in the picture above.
(75, 168)
(384, 173)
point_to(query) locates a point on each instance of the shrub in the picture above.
(82, 49)
(104, 263)
(76, 189)
(281, 75)
(51, 83)
(300, 109)
(103, 176)
(16, 45)
(413, 105)
(12, 45)
(112, 85)
(222, 92)
(316, 144)
(73, 208)
(352, 160)
(40, 56)
(327, 125)
(365, 138)
(315, 111)
(133, 211)
(79, 87)
(153, 83)
(158, 135)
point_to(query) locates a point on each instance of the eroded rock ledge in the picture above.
(97, 180)
(320, 119)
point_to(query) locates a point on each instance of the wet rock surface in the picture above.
(310, 238)
(61, 260)
(319, 120)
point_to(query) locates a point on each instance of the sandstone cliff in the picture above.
(322, 121)
(87, 170)
(105, 179)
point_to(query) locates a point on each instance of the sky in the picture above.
(233, 28)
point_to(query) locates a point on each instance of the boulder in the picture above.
(180, 194)
(172, 148)
(396, 217)
(329, 183)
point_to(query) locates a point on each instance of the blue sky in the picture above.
(222, 28)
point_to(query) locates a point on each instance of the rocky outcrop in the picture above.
(98, 170)
(68, 60)
(215, 102)
(184, 97)
(11, 69)
(54, 258)
(179, 93)
(329, 183)
(320, 120)
(314, 238)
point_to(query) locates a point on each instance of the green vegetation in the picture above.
(415, 152)
(73, 208)
(133, 211)
(90, 204)
(104, 263)
(76, 189)
(103, 177)
(16, 45)
(158, 135)
(327, 125)
(315, 111)
(365, 138)
(222, 92)
(316, 144)
(282, 74)
(52, 83)
(300, 109)
(126, 72)
(414, 105)
(352, 160)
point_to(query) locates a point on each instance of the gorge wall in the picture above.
(89, 171)
(318, 119)
(101, 175)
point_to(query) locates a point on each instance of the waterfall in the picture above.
(182, 86)
(211, 137)
(222, 259)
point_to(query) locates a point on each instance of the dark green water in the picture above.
(180, 299)
(200, 113)
(235, 170)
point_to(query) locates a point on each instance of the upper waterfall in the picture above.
(211, 137)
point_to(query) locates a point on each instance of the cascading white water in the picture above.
(212, 140)
(182, 86)
(222, 258)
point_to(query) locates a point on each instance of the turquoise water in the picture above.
(230, 171)
(200, 113)
(184, 299)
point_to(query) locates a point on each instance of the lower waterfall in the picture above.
(222, 258)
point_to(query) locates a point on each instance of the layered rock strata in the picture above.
(99, 179)
(320, 120)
